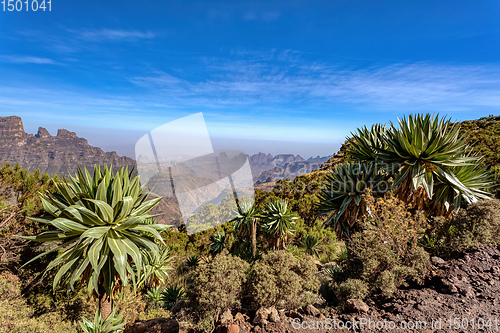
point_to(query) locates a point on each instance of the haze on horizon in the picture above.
(275, 77)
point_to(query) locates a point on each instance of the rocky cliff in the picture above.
(52, 154)
(267, 168)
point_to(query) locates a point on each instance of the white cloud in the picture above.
(284, 78)
(18, 59)
(115, 34)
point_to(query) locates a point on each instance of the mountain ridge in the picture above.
(57, 154)
(63, 153)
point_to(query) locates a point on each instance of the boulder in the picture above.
(357, 305)
(226, 317)
(159, 325)
(261, 316)
(311, 310)
(274, 315)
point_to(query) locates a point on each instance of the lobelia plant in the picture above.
(342, 198)
(278, 220)
(430, 163)
(192, 261)
(246, 222)
(218, 242)
(154, 296)
(100, 325)
(100, 222)
(172, 294)
(311, 245)
(155, 267)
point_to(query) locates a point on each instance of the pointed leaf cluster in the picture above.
(424, 156)
(100, 222)
(429, 153)
(342, 197)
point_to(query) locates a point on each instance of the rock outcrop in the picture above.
(11, 127)
(58, 154)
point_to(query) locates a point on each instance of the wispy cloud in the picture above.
(69, 41)
(285, 78)
(19, 59)
(115, 34)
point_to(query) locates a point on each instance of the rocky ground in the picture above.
(462, 295)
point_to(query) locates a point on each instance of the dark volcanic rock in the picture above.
(42, 133)
(64, 133)
(11, 127)
(52, 154)
(155, 325)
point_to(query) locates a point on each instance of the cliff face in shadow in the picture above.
(58, 154)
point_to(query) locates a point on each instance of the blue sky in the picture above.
(272, 76)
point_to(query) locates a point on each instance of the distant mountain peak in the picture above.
(43, 133)
(281, 166)
(11, 127)
(53, 154)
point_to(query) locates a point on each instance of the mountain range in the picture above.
(65, 151)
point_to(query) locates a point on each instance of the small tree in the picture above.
(278, 221)
(246, 222)
(101, 223)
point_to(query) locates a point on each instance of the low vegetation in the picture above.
(280, 279)
(385, 254)
(362, 226)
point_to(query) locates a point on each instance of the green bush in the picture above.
(282, 280)
(350, 288)
(386, 254)
(328, 245)
(219, 284)
(16, 316)
(474, 226)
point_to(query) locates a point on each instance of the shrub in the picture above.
(219, 283)
(386, 254)
(282, 280)
(328, 245)
(350, 288)
(153, 313)
(16, 316)
(132, 305)
(470, 228)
